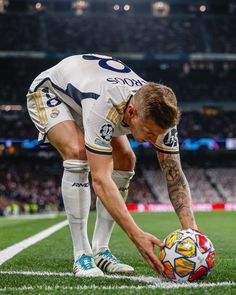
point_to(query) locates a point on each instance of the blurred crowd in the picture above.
(201, 187)
(125, 34)
(198, 125)
(199, 85)
(28, 187)
(17, 126)
(34, 186)
(224, 180)
(117, 33)
(209, 185)
(17, 30)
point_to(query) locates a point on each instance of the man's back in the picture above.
(88, 76)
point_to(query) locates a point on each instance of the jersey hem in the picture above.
(166, 152)
(97, 151)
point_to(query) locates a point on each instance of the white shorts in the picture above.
(46, 110)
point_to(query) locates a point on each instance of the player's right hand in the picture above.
(146, 243)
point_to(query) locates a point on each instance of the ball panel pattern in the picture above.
(172, 238)
(204, 243)
(162, 254)
(200, 273)
(183, 266)
(168, 270)
(186, 247)
(211, 259)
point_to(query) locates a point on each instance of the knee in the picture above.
(74, 152)
(131, 159)
(76, 166)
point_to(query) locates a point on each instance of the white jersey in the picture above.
(97, 88)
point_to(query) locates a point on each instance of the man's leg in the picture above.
(124, 162)
(68, 139)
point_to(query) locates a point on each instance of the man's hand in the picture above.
(145, 243)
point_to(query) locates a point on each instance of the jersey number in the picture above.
(52, 101)
(104, 63)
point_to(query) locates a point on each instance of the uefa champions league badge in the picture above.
(106, 131)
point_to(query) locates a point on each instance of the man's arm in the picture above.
(101, 169)
(178, 188)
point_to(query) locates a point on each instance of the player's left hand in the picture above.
(145, 243)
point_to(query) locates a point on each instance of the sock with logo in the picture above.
(77, 199)
(104, 222)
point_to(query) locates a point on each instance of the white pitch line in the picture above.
(112, 287)
(146, 279)
(75, 288)
(153, 282)
(11, 251)
(38, 273)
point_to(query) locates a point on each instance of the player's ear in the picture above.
(131, 110)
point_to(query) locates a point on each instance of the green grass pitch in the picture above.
(54, 254)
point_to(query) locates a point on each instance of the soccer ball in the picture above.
(188, 255)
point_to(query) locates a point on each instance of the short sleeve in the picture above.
(101, 118)
(98, 134)
(168, 143)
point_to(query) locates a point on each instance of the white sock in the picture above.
(77, 199)
(104, 221)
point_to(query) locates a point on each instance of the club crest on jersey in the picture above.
(106, 131)
(54, 113)
(171, 138)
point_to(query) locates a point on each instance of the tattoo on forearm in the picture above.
(178, 188)
(178, 200)
(172, 172)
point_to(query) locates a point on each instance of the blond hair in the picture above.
(157, 102)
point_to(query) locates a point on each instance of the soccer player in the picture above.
(84, 106)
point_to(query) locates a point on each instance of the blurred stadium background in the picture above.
(188, 45)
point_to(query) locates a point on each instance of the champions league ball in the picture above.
(188, 255)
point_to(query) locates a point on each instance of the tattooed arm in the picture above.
(178, 188)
